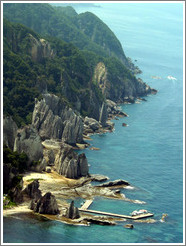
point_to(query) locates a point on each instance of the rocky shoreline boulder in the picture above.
(114, 110)
(47, 204)
(114, 183)
(72, 212)
(91, 125)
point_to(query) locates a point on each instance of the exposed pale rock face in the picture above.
(121, 87)
(100, 75)
(70, 164)
(54, 120)
(40, 49)
(9, 131)
(47, 204)
(113, 109)
(73, 130)
(29, 141)
(103, 114)
(92, 123)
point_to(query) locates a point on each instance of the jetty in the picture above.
(87, 204)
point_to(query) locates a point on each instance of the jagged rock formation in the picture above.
(29, 141)
(47, 204)
(91, 125)
(72, 212)
(54, 120)
(32, 190)
(9, 131)
(64, 160)
(113, 109)
(70, 164)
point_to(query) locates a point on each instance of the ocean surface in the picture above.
(149, 152)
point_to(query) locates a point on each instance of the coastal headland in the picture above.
(64, 188)
(63, 88)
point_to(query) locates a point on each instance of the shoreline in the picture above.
(65, 188)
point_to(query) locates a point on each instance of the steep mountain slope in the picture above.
(99, 33)
(63, 22)
(33, 65)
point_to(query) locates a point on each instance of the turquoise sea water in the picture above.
(149, 152)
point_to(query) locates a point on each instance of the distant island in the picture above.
(64, 75)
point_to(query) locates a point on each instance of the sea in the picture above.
(148, 153)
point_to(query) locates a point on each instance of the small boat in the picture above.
(171, 77)
(137, 212)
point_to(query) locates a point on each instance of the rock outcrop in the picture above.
(98, 177)
(39, 49)
(47, 204)
(91, 125)
(116, 86)
(12, 183)
(100, 221)
(9, 131)
(129, 226)
(29, 141)
(70, 164)
(72, 212)
(32, 190)
(114, 110)
(55, 120)
(114, 183)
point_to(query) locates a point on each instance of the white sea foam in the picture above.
(129, 187)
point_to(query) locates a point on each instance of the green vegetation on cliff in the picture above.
(86, 31)
(15, 159)
(48, 61)
(30, 69)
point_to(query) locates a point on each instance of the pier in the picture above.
(87, 204)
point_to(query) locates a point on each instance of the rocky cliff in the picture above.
(65, 160)
(120, 84)
(9, 131)
(29, 141)
(55, 120)
(39, 49)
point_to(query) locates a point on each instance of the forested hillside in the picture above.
(33, 65)
(86, 31)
